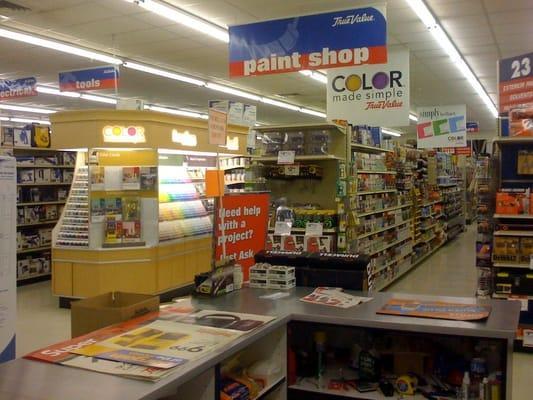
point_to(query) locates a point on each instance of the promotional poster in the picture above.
(441, 126)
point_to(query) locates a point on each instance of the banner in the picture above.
(472, 127)
(8, 257)
(89, 79)
(23, 87)
(441, 126)
(515, 82)
(320, 41)
(244, 218)
(371, 94)
(238, 113)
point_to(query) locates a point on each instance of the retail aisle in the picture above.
(451, 272)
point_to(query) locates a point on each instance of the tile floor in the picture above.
(448, 272)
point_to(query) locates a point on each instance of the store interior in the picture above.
(229, 199)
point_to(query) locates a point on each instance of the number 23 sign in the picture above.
(515, 86)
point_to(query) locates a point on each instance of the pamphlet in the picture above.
(98, 209)
(334, 297)
(131, 178)
(436, 309)
(148, 178)
(97, 177)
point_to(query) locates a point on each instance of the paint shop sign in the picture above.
(371, 94)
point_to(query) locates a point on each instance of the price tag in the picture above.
(314, 229)
(286, 157)
(531, 261)
(292, 170)
(528, 338)
(283, 228)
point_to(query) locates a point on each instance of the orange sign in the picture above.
(218, 126)
(241, 225)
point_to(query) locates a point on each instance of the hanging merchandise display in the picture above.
(335, 39)
(375, 94)
(441, 126)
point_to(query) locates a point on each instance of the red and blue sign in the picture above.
(23, 87)
(335, 39)
(515, 82)
(89, 79)
(472, 127)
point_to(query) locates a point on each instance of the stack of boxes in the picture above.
(266, 276)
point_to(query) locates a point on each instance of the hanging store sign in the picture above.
(8, 257)
(515, 82)
(371, 94)
(12, 89)
(89, 79)
(472, 127)
(441, 126)
(320, 41)
(238, 113)
(217, 126)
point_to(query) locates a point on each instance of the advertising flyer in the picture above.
(436, 309)
(376, 95)
(8, 260)
(334, 39)
(441, 126)
(241, 228)
(333, 297)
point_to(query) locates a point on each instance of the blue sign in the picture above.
(320, 41)
(515, 82)
(472, 126)
(89, 79)
(23, 87)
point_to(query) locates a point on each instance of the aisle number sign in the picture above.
(320, 41)
(376, 95)
(441, 126)
(515, 82)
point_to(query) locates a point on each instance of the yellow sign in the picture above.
(123, 134)
(184, 138)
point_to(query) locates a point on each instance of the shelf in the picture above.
(423, 240)
(45, 184)
(35, 149)
(431, 203)
(366, 171)
(269, 388)
(506, 296)
(364, 235)
(364, 193)
(52, 221)
(384, 210)
(228, 183)
(370, 149)
(447, 184)
(299, 158)
(513, 233)
(388, 246)
(519, 139)
(427, 227)
(33, 276)
(39, 203)
(34, 249)
(235, 167)
(513, 216)
(47, 166)
(510, 265)
(302, 230)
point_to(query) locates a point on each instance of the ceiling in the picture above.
(483, 30)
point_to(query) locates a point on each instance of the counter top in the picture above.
(33, 380)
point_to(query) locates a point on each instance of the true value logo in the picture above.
(352, 19)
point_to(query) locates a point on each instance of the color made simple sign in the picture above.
(12, 89)
(320, 41)
(241, 227)
(106, 77)
(371, 94)
(441, 126)
(515, 82)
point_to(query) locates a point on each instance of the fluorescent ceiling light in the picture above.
(58, 46)
(313, 112)
(30, 121)
(165, 74)
(184, 18)
(4, 118)
(425, 15)
(99, 99)
(174, 111)
(413, 117)
(280, 104)
(57, 92)
(26, 109)
(235, 92)
(317, 76)
(390, 132)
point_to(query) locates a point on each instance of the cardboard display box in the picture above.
(93, 313)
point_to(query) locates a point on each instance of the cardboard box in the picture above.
(93, 313)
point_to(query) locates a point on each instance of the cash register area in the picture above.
(41, 323)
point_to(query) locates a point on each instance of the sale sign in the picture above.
(515, 82)
(335, 39)
(441, 126)
(89, 79)
(241, 228)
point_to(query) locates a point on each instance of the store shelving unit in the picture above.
(44, 177)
